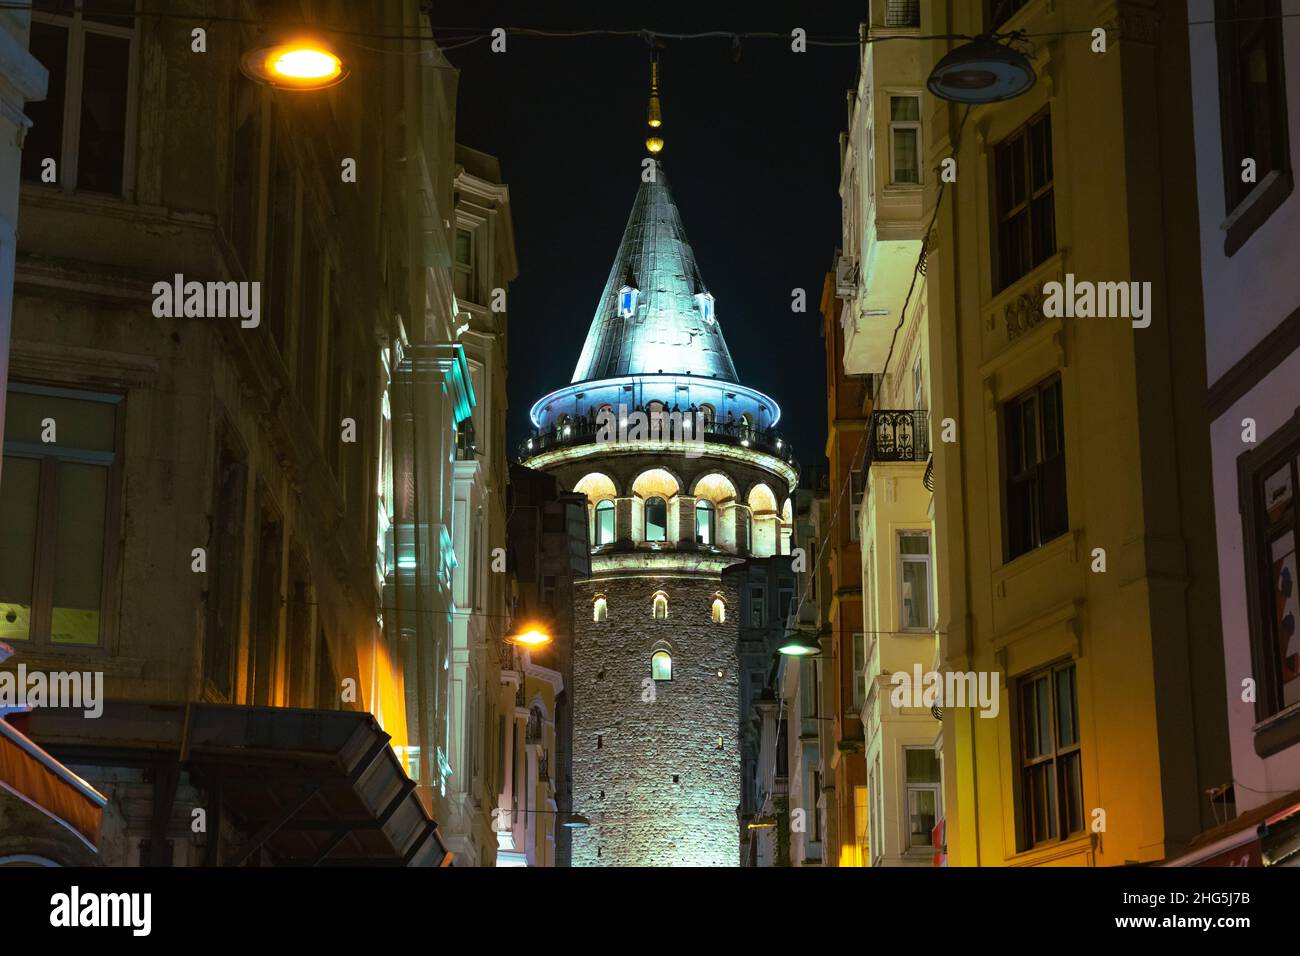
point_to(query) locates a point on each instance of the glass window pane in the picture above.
(102, 146)
(661, 666)
(914, 543)
(49, 45)
(916, 594)
(19, 497)
(904, 108)
(922, 765)
(656, 520)
(79, 554)
(80, 424)
(1278, 493)
(1067, 724)
(605, 522)
(1072, 792)
(1286, 611)
(907, 168)
(921, 814)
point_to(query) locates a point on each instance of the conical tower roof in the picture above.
(671, 328)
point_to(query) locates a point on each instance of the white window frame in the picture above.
(77, 27)
(936, 788)
(895, 125)
(928, 560)
(859, 673)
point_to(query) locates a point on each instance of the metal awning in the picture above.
(36, 778)
(312, 787)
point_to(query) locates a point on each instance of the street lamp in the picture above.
(303, 63)
(800, 644)
(529, 635)
(981, 71)
(574, 821)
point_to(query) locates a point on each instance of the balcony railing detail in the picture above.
(898, 435)
(583, 431)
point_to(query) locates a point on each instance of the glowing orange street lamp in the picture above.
(530, 635)
(304, 63)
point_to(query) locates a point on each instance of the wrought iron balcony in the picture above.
(583, 431)
(897, 435)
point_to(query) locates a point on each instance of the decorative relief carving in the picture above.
(1022, 313)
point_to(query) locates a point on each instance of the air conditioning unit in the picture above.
(846, 271)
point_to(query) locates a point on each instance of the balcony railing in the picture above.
(583, 431)
(898, 435)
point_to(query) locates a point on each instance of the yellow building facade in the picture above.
(1074, 535)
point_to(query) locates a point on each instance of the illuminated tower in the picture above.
(656, 762)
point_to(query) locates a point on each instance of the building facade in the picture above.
(549, 551)
(239, 517)
(685, 475)
(1075, 532)
(1249, 215)
(885, 335)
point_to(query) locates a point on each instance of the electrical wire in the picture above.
(465, 36)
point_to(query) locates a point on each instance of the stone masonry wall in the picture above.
(647, 767)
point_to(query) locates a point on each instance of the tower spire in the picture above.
(654, 116)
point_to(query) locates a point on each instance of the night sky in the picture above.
(752, 156)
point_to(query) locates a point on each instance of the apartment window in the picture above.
(785, 600)
(656, 519)
(600, 609)
(905, 140)
(661, 665)
(605, 522)
(1269, 480)
(757, 604)
(859, 671)
(902, 13)
(83, 122)
(914, 580)
(1026, 208)
(465, 262)
(1252, 113)
(59, 499)
(661, 606)
(922, 768)
(1034, 466)
(1051, 798)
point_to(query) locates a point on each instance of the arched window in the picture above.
(661, 606)
(600, 609)
(605, 522)
(719, 611)
(704, 511)
(656, 519)
(708, 414)
(661, 665)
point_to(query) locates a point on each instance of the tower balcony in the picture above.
(583, 431)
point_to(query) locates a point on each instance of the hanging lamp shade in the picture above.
(981, 71)
(296, 63)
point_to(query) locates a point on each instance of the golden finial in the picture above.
(654, 118)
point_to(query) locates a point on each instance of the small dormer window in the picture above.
(627, 301)
(706, 306)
